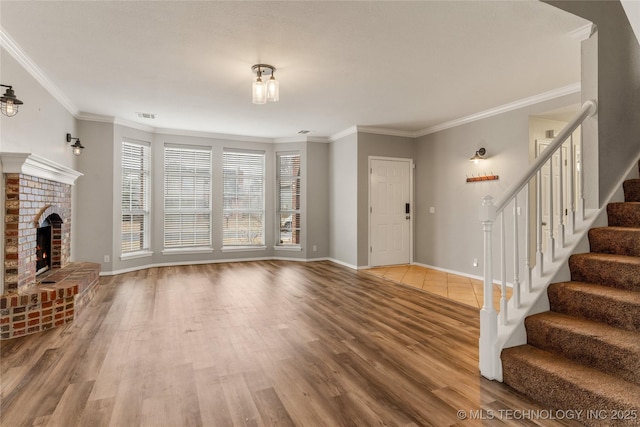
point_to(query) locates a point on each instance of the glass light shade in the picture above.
(77, 151)
(9, 108)
(273, 90)
(259, 92)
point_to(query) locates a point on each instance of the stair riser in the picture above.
(631, 190)
(607, 273)
(619, 314)
(585, 349)
(556, 392)
(623, 214)
(618, 241)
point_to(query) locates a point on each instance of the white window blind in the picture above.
(243, 205)
(135, 197)
(288, 198)
(187, 197)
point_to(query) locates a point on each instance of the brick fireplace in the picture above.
(37, 193)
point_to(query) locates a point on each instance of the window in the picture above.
(243, 204)
(187, 197)
(135, 197)
(288, 198)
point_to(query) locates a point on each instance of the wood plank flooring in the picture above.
(255, 344)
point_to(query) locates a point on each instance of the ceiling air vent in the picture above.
(146, 116)
(304, 132)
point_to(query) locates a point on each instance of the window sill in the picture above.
(291, 248)
(135, 255)
(243, 248)
(188, 251)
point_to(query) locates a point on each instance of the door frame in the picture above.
(411, 201)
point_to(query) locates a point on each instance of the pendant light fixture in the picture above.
(261, 91)
(8, 102)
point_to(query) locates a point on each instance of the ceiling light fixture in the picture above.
(478, 156)
(8, 102)
(265, 92)
(77, 147)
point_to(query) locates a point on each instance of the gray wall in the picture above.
(343, 196)
(451, 237)
(317, 200)
(618, 87)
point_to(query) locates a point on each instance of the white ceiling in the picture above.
(406, 66)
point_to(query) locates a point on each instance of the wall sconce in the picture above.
(265, 92)
(77, 147)
(8, 102)
(479, 155)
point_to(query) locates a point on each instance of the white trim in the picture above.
(344, 264)
(301, 138)
(525, 102)
(36, 72)
(386, 131)
(31, 164)
(243, 248)
(201, 134)
(188, 251)
(584, 32)
(291, 248)
(458, 273)
(135, 255)
(343, 133)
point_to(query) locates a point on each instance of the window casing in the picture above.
(135, 198)
(243, 198)
(288, 199)
(187, 197)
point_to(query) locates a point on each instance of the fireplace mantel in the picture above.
(34, 165)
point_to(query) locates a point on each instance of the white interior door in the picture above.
(390, 212)
(541, 145)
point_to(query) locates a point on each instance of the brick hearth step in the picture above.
(615, 240)
(611, 350)
(631, 190)
(559, 383)
(618, 271)
(615, 307)
(624, 214)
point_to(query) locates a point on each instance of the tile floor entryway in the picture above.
(451, 286)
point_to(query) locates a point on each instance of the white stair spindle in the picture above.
(539, 253)
(551, 249)
(571, 214)
(503, 273)
(516, 256)
(527, 238)
(561, 200)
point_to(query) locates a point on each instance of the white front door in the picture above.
(390, 211)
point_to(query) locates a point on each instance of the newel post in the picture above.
(489, 359)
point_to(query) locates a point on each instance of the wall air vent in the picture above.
(146, 115)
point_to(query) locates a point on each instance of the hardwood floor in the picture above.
(260, 343)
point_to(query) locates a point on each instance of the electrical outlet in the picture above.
(432, 210)
(315, 248)
(475, 262)
(107, 258)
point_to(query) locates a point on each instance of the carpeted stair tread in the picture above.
(603, 347)
(624, 214)
(631, 190)
(615, 307)
(618, 271)
(615, 240)
(559, 383)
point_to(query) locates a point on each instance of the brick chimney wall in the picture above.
(29, 201)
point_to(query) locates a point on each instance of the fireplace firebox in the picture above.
(43, 248)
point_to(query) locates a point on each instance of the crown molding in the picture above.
(584, 32)
(36, 72)
(200, 134)
(386, 131)
(134, 125)
(525, 102)
(301, 138)
(90, 117)
(31, 164)
(343, 133)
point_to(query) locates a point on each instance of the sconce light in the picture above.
(265, 92)
(77, 147)
(8, 102)
(478, 156)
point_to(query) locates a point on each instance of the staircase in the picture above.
(584, 354)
